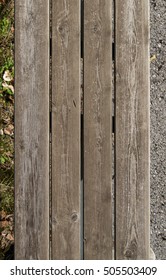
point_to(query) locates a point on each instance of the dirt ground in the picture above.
(158, 128)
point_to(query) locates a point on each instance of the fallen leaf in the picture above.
(9, 237)
(1, 131)
(12, 29)
(153, 58)
(7, 76)
(2, 215)
(4, 224)
(9, 217)
(8, 154)
(6, 120)
(9, 130)
(5, 85)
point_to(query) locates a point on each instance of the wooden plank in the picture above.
(66, 129)
(31, 129)
(97, 129)
(132, 129)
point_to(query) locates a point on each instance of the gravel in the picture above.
(158, 128)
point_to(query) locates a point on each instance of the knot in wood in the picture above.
(96, 29)
(22, 144)
(128, 254)
(131, 253)
(63, 30)
(74, 217)
(54, 221)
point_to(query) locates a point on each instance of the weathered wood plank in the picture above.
(31, 129)
(66, 129)
(132, 129)
(97, 129)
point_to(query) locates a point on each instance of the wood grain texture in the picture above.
(132, 129)
(66, 129)
(97, 129)
(31, 129)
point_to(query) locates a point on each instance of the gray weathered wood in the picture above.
(31, 129)
(97, 129)
(132, 129)
(66, 129)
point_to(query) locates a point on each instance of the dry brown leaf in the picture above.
(9, 130)
(2, 215)
(9, 237)
(4, 224)
(12, 29)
